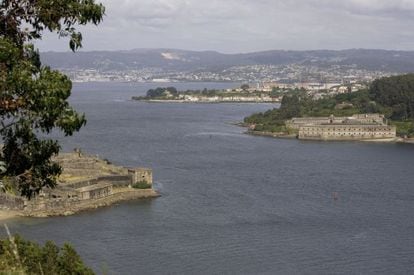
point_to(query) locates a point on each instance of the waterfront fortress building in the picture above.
(357, 127)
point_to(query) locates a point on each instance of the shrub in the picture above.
(35, 259)
(141, 185)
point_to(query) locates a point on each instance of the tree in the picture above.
(290, 106)
(161, 92)
(49, 258)
(245, 87)
(70, 262)
(33, 98)
(396, 92)
(20, 256)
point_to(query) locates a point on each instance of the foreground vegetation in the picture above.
(18, 256)
(33, 102)
(33, 97)
(391, 96)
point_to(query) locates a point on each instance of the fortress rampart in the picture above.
(87, 182)
(346, 132)
(297, 122)
(357, 127)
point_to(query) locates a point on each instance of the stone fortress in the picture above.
(356, 127)
(87, 182)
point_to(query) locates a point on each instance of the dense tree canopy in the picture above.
(161, 92)
(33, 98)
(245, 87)
(397, 93)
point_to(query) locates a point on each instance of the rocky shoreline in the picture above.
(271, 134)
(294, 136)
(405, 140)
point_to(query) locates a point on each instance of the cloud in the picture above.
(249, 25)
(376, 8)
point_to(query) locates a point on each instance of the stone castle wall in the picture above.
(86, 182)
(10, 202)
(346, 132)
(141, 175)
(297, 122)
(59, 207)
(357, 127)
(116, 180)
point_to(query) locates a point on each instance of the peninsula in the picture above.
(383, 112)
(87, 182)
(244, 94)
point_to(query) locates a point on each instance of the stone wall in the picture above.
(346, 132)
(10, 202)
(117, 181)
(297, 122)
(88, 182)
(141, 175)
(58, 204)
(83, 165)
(59, 207)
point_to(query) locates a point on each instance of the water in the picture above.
(233, 203)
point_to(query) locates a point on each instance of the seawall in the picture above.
(62, 207)
(271, 134)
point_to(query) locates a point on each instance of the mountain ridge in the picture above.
(184, 60)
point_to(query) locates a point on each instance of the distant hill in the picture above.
(181, 60)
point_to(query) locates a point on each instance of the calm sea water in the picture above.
(233, 203)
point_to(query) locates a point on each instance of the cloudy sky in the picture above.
(231, 26)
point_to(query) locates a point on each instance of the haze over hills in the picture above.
(182, 60)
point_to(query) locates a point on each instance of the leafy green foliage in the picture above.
(404, 128)
(245, 87)
(397, 93)
(35, 259)
(141, 185)
(274, 120)
(25, 20)
(161, 92)
(33, 98)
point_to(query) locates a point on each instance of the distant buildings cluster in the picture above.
(311, 77)
(230, 98)
(315, 89)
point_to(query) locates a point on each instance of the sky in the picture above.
(235, 26)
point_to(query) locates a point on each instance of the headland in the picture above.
(381, 112)
(358, 127)
(87, 182)
(237, 95)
